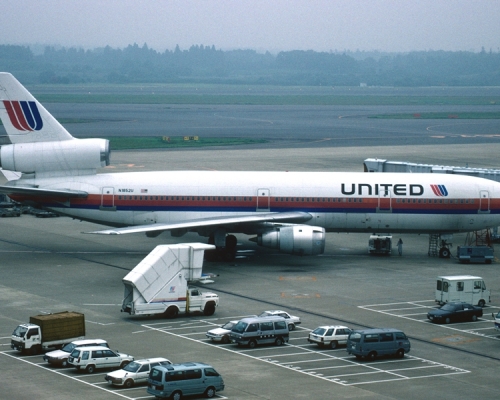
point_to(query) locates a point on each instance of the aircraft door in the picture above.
(263, 200)
(384, 201)
(484, 201)
(108, 198)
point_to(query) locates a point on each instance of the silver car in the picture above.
(329, 336)
(222, 333)
(96, 357)
(135, 372)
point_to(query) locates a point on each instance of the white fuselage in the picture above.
(339, 202)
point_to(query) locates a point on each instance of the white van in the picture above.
(260, 330)
(462, 288)
(60, 357)
(177, 380)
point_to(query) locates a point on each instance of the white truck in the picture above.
(159, 283)
(48, 331)
(462, 288)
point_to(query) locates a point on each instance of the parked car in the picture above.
(45, 214)
(222, 333)
(455, 312)
(291, 320)
(329, 336)
(10, 212)
(135, 372)
(60, 357)
(97, 357)
(373, 343)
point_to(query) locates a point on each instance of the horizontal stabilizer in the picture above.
(286, 217)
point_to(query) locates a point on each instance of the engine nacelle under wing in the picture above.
(297, 239)
(76, 154)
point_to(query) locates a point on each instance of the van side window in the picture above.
(460, 286)
(386, 337)
(193, 374)
(174, 376)
(266, 326)
(400, 336)
(252, 328)
(478, 284)
(211, 372)
(371, 338)
(280, 325)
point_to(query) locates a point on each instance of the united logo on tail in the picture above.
(24, 115)
(439, 190)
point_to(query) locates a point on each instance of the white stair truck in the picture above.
(159, 283)
(458, 288)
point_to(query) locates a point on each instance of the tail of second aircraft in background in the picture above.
(37, 143)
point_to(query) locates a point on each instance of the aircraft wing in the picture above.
(34, 191)
(285, 217)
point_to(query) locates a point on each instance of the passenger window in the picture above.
(144, 368)
(252, 328)
(371, 338)
(175, 376)
(193, 374)
(211, 372)
(330, 332)
(266, 326)
(478, 285)
(400, 336)
(280, 325)
(108, 353)
(85, 355)
(460, 286)
(386, 337)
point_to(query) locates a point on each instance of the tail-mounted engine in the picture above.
(65, 155)
(297, 239)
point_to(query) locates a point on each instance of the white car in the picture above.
(222, 333)
(329, 335)
(135, 372)
(60, 357)
(291, 320)
(96, 357)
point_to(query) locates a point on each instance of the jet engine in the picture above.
(301, 240)
(66, 155)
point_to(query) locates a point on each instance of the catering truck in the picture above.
(462, 288)
(48, 331)
(159, 283)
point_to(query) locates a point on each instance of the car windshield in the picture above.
(20, 331)
(132, 367)
(240, 327)
(228, 325)
(265, 314)
(355, 337)
(448, 307)
(68, 348)
(319, 331)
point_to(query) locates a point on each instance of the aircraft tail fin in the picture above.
(24, 118)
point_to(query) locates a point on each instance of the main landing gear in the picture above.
(222, 253)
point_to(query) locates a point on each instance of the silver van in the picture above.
(177, 380)
(260, 330)
(371, 343)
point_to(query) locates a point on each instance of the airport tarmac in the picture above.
(49, 265)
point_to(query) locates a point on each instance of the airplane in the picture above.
(288, 211)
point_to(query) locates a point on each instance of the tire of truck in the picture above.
(279, 341)
(90, 369)
(444, 252)
(171, 312)
(209, 309)
(481, 303)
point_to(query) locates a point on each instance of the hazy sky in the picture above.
(274, 25)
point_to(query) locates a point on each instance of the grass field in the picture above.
(292, 99)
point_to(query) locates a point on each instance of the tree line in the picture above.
(206, 64)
